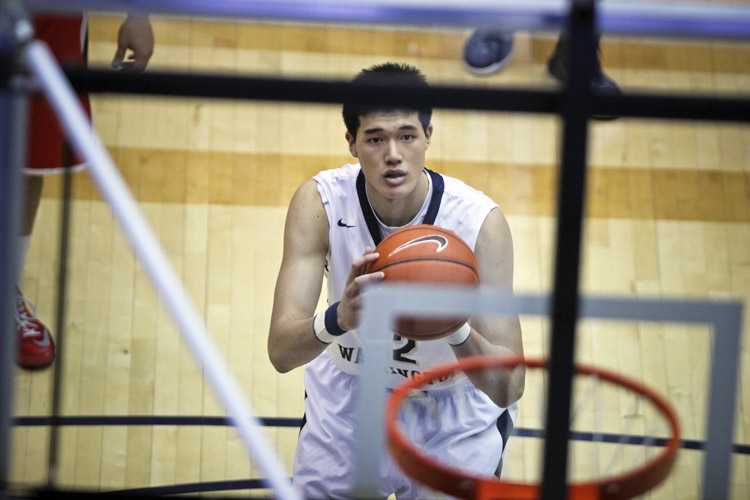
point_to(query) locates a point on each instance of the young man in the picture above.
(48, 153)
(333, 223)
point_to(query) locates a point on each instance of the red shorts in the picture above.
(46, 151)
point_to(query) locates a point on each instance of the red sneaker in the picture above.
(36, 348)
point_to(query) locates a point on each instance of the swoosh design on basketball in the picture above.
(441, 241)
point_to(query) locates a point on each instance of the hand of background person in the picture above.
(137, 35)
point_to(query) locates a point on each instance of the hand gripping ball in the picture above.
(426, 254)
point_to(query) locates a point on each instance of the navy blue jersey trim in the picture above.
(505, 426)
(303, 422)
(438, 188)
(364, 203)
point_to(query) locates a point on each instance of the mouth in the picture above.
(394, 177)
(394, 174)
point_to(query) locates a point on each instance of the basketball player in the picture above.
(48, 153)
(333, 223)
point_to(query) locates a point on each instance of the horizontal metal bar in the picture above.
(614, 16)
(683, 107)
(310, 90)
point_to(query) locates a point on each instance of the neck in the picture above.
(400, 211)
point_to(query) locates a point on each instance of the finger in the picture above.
(366, 259)
(354, 287)
(140, 60)
(367, 279)
(119, 55)
(359, 265)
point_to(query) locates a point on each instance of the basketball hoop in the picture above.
(457, 483)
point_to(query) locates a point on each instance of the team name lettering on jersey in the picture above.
(347, 352)
(416, 373)
(354, 355)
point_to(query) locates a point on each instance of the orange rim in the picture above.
(458, 484)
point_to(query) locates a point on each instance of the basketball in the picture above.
(426, 254)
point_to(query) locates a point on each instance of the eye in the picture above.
(374, 140)
(407, 137)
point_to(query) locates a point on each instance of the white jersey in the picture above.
(450, 204)
(475, 434)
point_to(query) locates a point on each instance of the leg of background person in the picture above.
(33, 188)
(557, 66)
(487, 51)
(36, 348)
(45, 154)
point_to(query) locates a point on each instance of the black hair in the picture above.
(386, 74)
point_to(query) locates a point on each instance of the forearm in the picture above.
(504, 387)
(292, 343)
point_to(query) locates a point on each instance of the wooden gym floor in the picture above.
(668, 215)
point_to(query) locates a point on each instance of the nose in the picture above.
(392, 153)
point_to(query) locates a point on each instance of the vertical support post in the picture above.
(56, 401)
(14, 31)
(576, 107)
(370, 452)
(717, 462)
(13, 108)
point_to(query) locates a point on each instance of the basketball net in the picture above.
(612, 455)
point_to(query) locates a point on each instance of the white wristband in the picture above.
(319, 328)
(459, 336)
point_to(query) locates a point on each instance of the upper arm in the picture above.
(494, 253)
(305, 247)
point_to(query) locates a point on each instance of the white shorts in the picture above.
(467, 435)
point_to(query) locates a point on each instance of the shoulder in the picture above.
(345, 173)
(458, 191)
(464, 209)
(306, 201)
(338, 184)
(309, 202)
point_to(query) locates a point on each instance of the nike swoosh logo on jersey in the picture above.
(441, 241)
(344, 224)
(45, 340)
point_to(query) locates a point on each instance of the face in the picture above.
(391, 149)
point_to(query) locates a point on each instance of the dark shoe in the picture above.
(487, 51)
(557, 66)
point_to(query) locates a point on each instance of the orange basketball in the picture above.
(426, 254)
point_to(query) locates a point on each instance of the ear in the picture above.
(352, 144)
(428, 136)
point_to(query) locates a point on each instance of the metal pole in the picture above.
(108, 180)
(571, 196)
(622, 17)
(56, 400)
(14, 30)
(12, 152)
